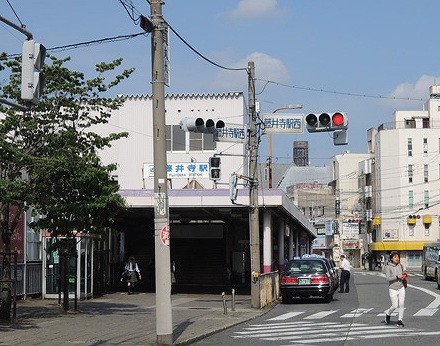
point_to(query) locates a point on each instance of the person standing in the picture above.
(395, 276)
(134, 273)
(345, 275)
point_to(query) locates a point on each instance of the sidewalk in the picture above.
(121, 319)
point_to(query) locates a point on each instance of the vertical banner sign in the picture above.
(160, 201)
(165, 235)
(166, 54)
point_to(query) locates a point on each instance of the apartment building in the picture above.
(407, 182)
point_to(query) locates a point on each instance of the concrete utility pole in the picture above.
(254, 222)
(164, 325)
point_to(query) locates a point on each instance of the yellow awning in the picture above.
(427, 219)
(397, 245)
(411, 221)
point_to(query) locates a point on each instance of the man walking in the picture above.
(345, 275)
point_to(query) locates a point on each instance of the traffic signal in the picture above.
(32, 77)
(326, 122)
(214, 168)
(201, 125)
(233, 192)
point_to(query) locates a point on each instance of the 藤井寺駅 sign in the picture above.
(283, 123)
(184, 170)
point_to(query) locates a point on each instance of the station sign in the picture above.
(283, 123)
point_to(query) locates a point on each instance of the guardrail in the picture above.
(269, 288)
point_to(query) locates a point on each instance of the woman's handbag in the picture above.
(126, 275)
(404, 281)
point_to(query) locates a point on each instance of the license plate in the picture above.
(303, 281)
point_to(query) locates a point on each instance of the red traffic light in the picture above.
(338, 119)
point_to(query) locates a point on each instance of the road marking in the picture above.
(327, 332)
(356, 313)
(432, 308)
(320, 314)
(286, 316)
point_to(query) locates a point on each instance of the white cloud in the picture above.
(420, 90)
(250, 9)
(266, 68)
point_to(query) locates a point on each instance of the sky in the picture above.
(365, 58)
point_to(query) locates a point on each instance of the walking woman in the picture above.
(134, 273)
(395, 276)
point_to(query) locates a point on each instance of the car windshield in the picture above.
(296, 267)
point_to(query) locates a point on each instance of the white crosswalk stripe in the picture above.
(356, 313)
(323, 332)
(320, 314)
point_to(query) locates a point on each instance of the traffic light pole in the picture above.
(164, 325)
(254, 223)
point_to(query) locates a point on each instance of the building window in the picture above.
(410, 200)
(176, 140)
(410, 173)
(425, 173)
(426, 199)
(201, 141)
(409, 146)
(425, 147)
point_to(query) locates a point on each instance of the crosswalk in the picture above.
(307, 328)
(312, 333)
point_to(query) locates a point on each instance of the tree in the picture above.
(49, 158)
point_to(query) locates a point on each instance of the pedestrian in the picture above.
(345, 275)
(396, 289)
(133, 273)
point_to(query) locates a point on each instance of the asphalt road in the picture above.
(355, 318)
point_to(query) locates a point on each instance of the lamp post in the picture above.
(270, 139)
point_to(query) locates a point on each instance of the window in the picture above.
(425, 173)
(176, 140)
(426, 199)
(410, 173)
(201, 141)
(410, 200)
(425, 147)
(409, 146)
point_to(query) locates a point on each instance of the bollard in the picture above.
(225, 308)
(233, 299)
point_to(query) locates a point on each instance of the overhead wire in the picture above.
(336, 92)
(15, 13)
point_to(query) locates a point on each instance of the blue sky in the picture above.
(321, 54)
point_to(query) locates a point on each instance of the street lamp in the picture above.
(270, 139)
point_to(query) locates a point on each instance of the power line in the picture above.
(336, 92)
(13, 10)
(88, 43)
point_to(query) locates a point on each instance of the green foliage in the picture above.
(49, 155)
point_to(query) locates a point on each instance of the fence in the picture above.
(269, 288)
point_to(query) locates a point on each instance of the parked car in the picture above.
(307, 277)
(335, 271)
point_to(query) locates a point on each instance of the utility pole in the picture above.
(254, 222)
(164, 325)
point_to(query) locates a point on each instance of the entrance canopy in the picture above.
(210, 205)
